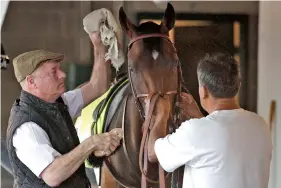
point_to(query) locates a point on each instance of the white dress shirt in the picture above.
(31, 142)
(226, 149)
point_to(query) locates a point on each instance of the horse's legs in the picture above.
(107, 180)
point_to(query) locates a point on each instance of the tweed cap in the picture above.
(27, 63)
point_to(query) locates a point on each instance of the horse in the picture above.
(148, 100)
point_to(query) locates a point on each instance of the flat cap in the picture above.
(26, 63)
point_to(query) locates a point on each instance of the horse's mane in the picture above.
(148, 27)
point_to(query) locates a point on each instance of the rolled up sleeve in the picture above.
(33, 147)
(74, 100)
(174, 150)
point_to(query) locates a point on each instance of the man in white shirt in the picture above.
(41, 139)
(229, 148)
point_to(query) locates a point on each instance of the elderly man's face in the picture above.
(49, 79)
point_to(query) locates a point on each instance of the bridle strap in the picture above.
(155, 35)
(161, 94)
(143, 154)
(137, 101)
(162, 179)
(144, 141)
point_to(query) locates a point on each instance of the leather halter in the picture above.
(148, 118)
(148, 36)
(137, 101)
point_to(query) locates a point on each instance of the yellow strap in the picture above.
(84, 122)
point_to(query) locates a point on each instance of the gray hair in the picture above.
(220, 74)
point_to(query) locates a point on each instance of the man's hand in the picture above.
(96, 41)
(65, 165)
(107, 142)
(189, 107)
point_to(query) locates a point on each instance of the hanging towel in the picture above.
(102, 20)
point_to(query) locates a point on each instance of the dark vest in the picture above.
(53, 118)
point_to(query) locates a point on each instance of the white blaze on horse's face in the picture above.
(155, 54)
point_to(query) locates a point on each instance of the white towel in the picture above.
(102, 20)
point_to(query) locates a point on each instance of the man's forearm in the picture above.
(101, 72)
(100, 78)
(64, 166)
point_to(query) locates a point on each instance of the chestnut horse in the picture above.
(154, 81)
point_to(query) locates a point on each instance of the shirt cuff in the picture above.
(47, 156)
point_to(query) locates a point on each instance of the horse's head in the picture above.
(153, 68)
(152, 58)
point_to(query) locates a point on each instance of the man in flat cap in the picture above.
(43, 146)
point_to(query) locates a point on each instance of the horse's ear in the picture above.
(169, 19)
(128, 27)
